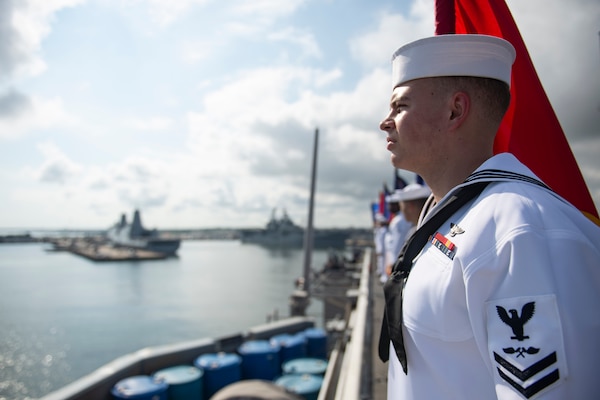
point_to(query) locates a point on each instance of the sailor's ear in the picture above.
(460, 105)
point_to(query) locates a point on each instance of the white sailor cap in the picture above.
(453, 55)
(414, 191)
(394, 197)
(379, 217)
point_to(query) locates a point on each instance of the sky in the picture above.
(202, 113)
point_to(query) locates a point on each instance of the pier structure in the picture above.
(98, 249)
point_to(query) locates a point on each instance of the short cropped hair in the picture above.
(493, 94)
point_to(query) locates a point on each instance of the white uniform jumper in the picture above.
(397, 234)
(503, 301)
(379, 234)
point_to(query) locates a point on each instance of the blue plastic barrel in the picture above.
(260, 359)
(306, 385)
(291, 346)
(220, 369)
(301, 366)
(185, 382)
(140, 387)
(316, 342)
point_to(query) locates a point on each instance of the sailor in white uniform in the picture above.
(503, 300)
(379, 233)
(396, 235)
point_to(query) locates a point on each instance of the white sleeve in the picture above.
(528, 300)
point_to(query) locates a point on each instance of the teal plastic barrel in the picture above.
(220, 370)
(307, 386)
(140, 387)
(301, 366)
(185, 382)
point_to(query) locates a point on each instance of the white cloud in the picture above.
(57, 167)
(394, 30)
(13, 104)
(149, 124)
(305, 41)
(26, 23)
(161, 13)
(249, 18)
(267, 8)
(137, 169)
(165, 12)
(365, 105)
(41, 114)
(196, 51)
(23, 27)
(324, 78)
(264, 94)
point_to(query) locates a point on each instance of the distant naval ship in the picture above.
(278, 232)
(283, 232)
(134, 235)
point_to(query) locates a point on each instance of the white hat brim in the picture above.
(454, 55)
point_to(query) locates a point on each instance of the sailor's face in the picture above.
(412, 124)
(410, 210)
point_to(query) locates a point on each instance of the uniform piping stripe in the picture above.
(488, 174)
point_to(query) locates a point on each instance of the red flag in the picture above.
(530, 129)
(383, 208)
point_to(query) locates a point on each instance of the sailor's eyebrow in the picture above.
(401, 99)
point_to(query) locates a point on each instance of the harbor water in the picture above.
(63, 316)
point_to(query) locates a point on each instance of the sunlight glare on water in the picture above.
(63, 316)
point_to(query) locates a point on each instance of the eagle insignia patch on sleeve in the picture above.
(525, 344)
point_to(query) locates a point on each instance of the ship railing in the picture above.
(348, 375)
